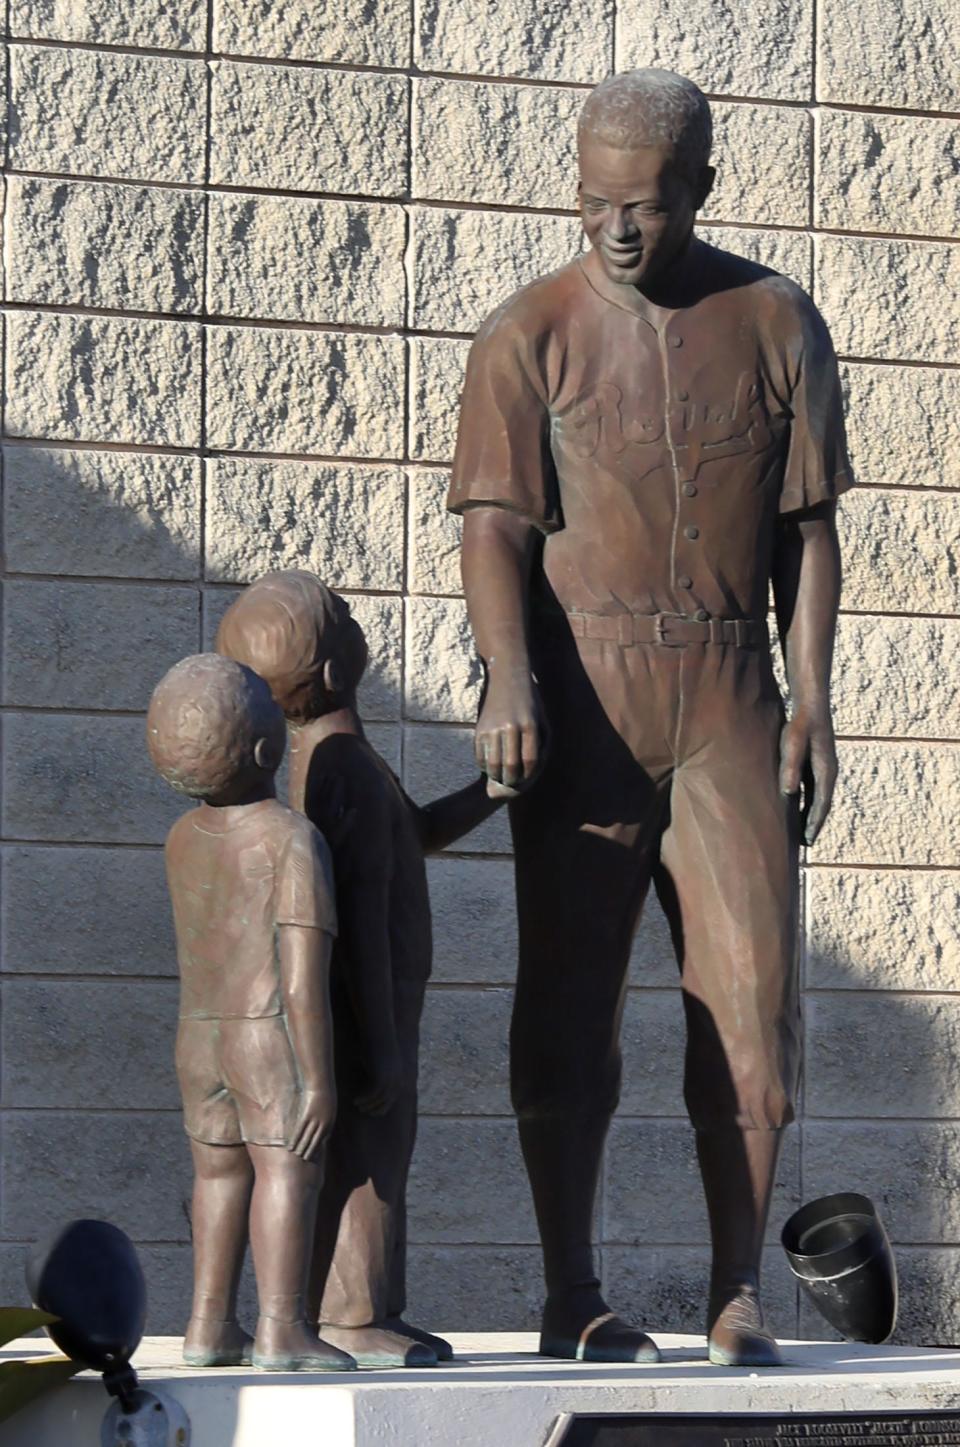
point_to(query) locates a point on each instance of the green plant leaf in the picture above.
(23, 1382)
(18, 1320)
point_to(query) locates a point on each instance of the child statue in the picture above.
(255, 919)
(302, 639)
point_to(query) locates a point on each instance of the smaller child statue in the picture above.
(301, 637)
(255, 918)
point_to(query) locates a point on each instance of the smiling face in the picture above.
(637, 208)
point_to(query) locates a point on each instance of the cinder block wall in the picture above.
(245, 245)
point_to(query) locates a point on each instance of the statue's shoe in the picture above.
(738, 1337)
(374, 1346)
(216, 1344)
(605, 1338)
(283, 1346)
(441, 1349)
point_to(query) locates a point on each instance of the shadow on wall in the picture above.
(92, 1124)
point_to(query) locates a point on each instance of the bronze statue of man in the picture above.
(649, 437)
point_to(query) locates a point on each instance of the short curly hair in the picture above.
(650, 108)
(205, 718)
(281, 626)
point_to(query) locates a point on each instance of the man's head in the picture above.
(213, 729)
(644, 144)
(300, 636)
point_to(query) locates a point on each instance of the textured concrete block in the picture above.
(80, 243)
(901, 423)
(306, 261)
(880, 662)
(103, 379)
(80, 1044)
(379, 692)
(158, 24)
(463, 1052)
(474, 921)
(434, 550)
(534, 39)
(653, 1041)
(98, 513)
(887, 1055)
(133, 1169)
(444, 673)
(466, 262)
(100, 113)
(908, 1170)
(900, 286)
(727, 48)
(900, 53)
(376, 33)
(92, 645)
(652, 961)
(437, 365)
(292, 129)
(883, 930)
(901, 551)
(512, 145)
(467, 1183)
(652, 1191)
(290, 391)
(893, 805)
(475, 1288)
(762, 156)
(344, 523)
(887, 173)
(438, 760)
(82, 778)
(785, 251)
(664, 1288)
(103, 912)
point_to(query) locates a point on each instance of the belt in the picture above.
(672, 630)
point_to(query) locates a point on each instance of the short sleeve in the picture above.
(305, 893)
(817, 468)
(503, 457)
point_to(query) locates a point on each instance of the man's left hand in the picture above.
(808, 757)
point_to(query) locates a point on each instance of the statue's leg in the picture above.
(729, 885)
(222, 1183)
(578, 894)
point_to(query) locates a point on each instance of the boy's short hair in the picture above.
(650, 108)
(281, 627)
(205, 718)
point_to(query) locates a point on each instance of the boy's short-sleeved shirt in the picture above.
(235, 875)
(655, 448)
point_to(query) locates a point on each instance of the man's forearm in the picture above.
(494, 563)
(806, 587)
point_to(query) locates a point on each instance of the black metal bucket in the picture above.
(839, 1251)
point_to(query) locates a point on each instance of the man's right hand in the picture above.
(508, 742)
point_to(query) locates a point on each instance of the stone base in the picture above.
(498, 1393)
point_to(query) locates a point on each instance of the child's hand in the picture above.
(386, 1082)
(318, 1111)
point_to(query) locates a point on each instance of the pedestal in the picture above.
(498, 1393)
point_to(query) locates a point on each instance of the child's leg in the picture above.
(282, 1219)
(222, 1182)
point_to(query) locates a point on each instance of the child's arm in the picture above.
(305, 984)
(449, 818)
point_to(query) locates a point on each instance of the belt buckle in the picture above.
(661, 631)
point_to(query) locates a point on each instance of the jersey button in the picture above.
(684, 582)
(702, 616)
(689, 489)
(683, 396)
(676, 341)
(691, 532)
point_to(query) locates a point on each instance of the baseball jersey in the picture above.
(654, 448)
(235, 875)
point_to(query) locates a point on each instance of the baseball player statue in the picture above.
(649, 437)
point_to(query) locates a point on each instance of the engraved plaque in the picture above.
(881, 1429)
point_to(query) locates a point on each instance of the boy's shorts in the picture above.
(238, 1080)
